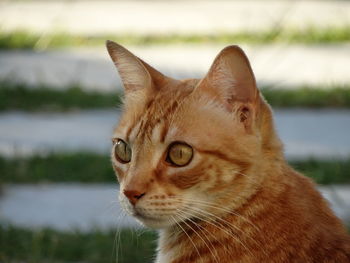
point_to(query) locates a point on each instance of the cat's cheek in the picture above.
(184, 181)
(119, 175)
(119, 171)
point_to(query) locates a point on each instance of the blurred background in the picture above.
(59, 97)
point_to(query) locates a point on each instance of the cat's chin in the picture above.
(154, 223)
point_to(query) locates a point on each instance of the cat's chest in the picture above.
(168, 247)
(164, 257)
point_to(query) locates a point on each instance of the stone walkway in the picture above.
(164, 17)
(63, 206)
(75, 206)
(305, 133)
(280, 65)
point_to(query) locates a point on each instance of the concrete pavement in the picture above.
(281, 65)
(166, 17)
(85, 207)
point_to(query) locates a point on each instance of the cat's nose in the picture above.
(133, 195)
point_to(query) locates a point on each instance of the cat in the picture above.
(200, 160)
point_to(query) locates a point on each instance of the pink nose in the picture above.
(133, 195)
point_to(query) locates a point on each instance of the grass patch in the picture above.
(42, 246)
(308, 97)
(59, 167)
(311, 35)
(47, 245)
(96, 168)
(326, 171)
(19, 96)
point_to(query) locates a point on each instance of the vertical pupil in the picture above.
(179, 154)
(124, 150)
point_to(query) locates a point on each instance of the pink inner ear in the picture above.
(231, 78)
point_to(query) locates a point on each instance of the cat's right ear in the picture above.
(133, 74)
(231, 82)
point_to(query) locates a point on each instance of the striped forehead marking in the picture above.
(158, 113)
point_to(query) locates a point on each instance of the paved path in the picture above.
(164, 17)
(63, 206)
(74, 206)
(305, 133)
(281, 65)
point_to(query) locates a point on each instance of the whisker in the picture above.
(212, 205)
(203, 228)
(188, 237)
(240, 173)
(188, 225)
(230, 225)
(117, 238)
(222, 228)
(221, 219)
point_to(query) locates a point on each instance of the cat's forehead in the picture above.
(157, 114)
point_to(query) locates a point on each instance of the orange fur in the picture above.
(237, 200)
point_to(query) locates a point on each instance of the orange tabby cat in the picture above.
(200, 161)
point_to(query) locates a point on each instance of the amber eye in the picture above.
(179, 154)
(122, 151)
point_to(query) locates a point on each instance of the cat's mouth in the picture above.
(156, 222)
(153, 216)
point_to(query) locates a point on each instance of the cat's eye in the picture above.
(179, 154)
(122, 151)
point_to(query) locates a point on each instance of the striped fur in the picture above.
(237, 200)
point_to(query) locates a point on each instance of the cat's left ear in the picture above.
(231, 81)
(140, 80)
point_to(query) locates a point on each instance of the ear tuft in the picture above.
(109, 43)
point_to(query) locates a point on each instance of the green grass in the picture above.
(47, 245)
(43, 98)
(23, 97)
(309, 97)
(90, 167)
(325, 171)
(311, 35)
(60, 167)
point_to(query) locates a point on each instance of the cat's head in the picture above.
(187, 149)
